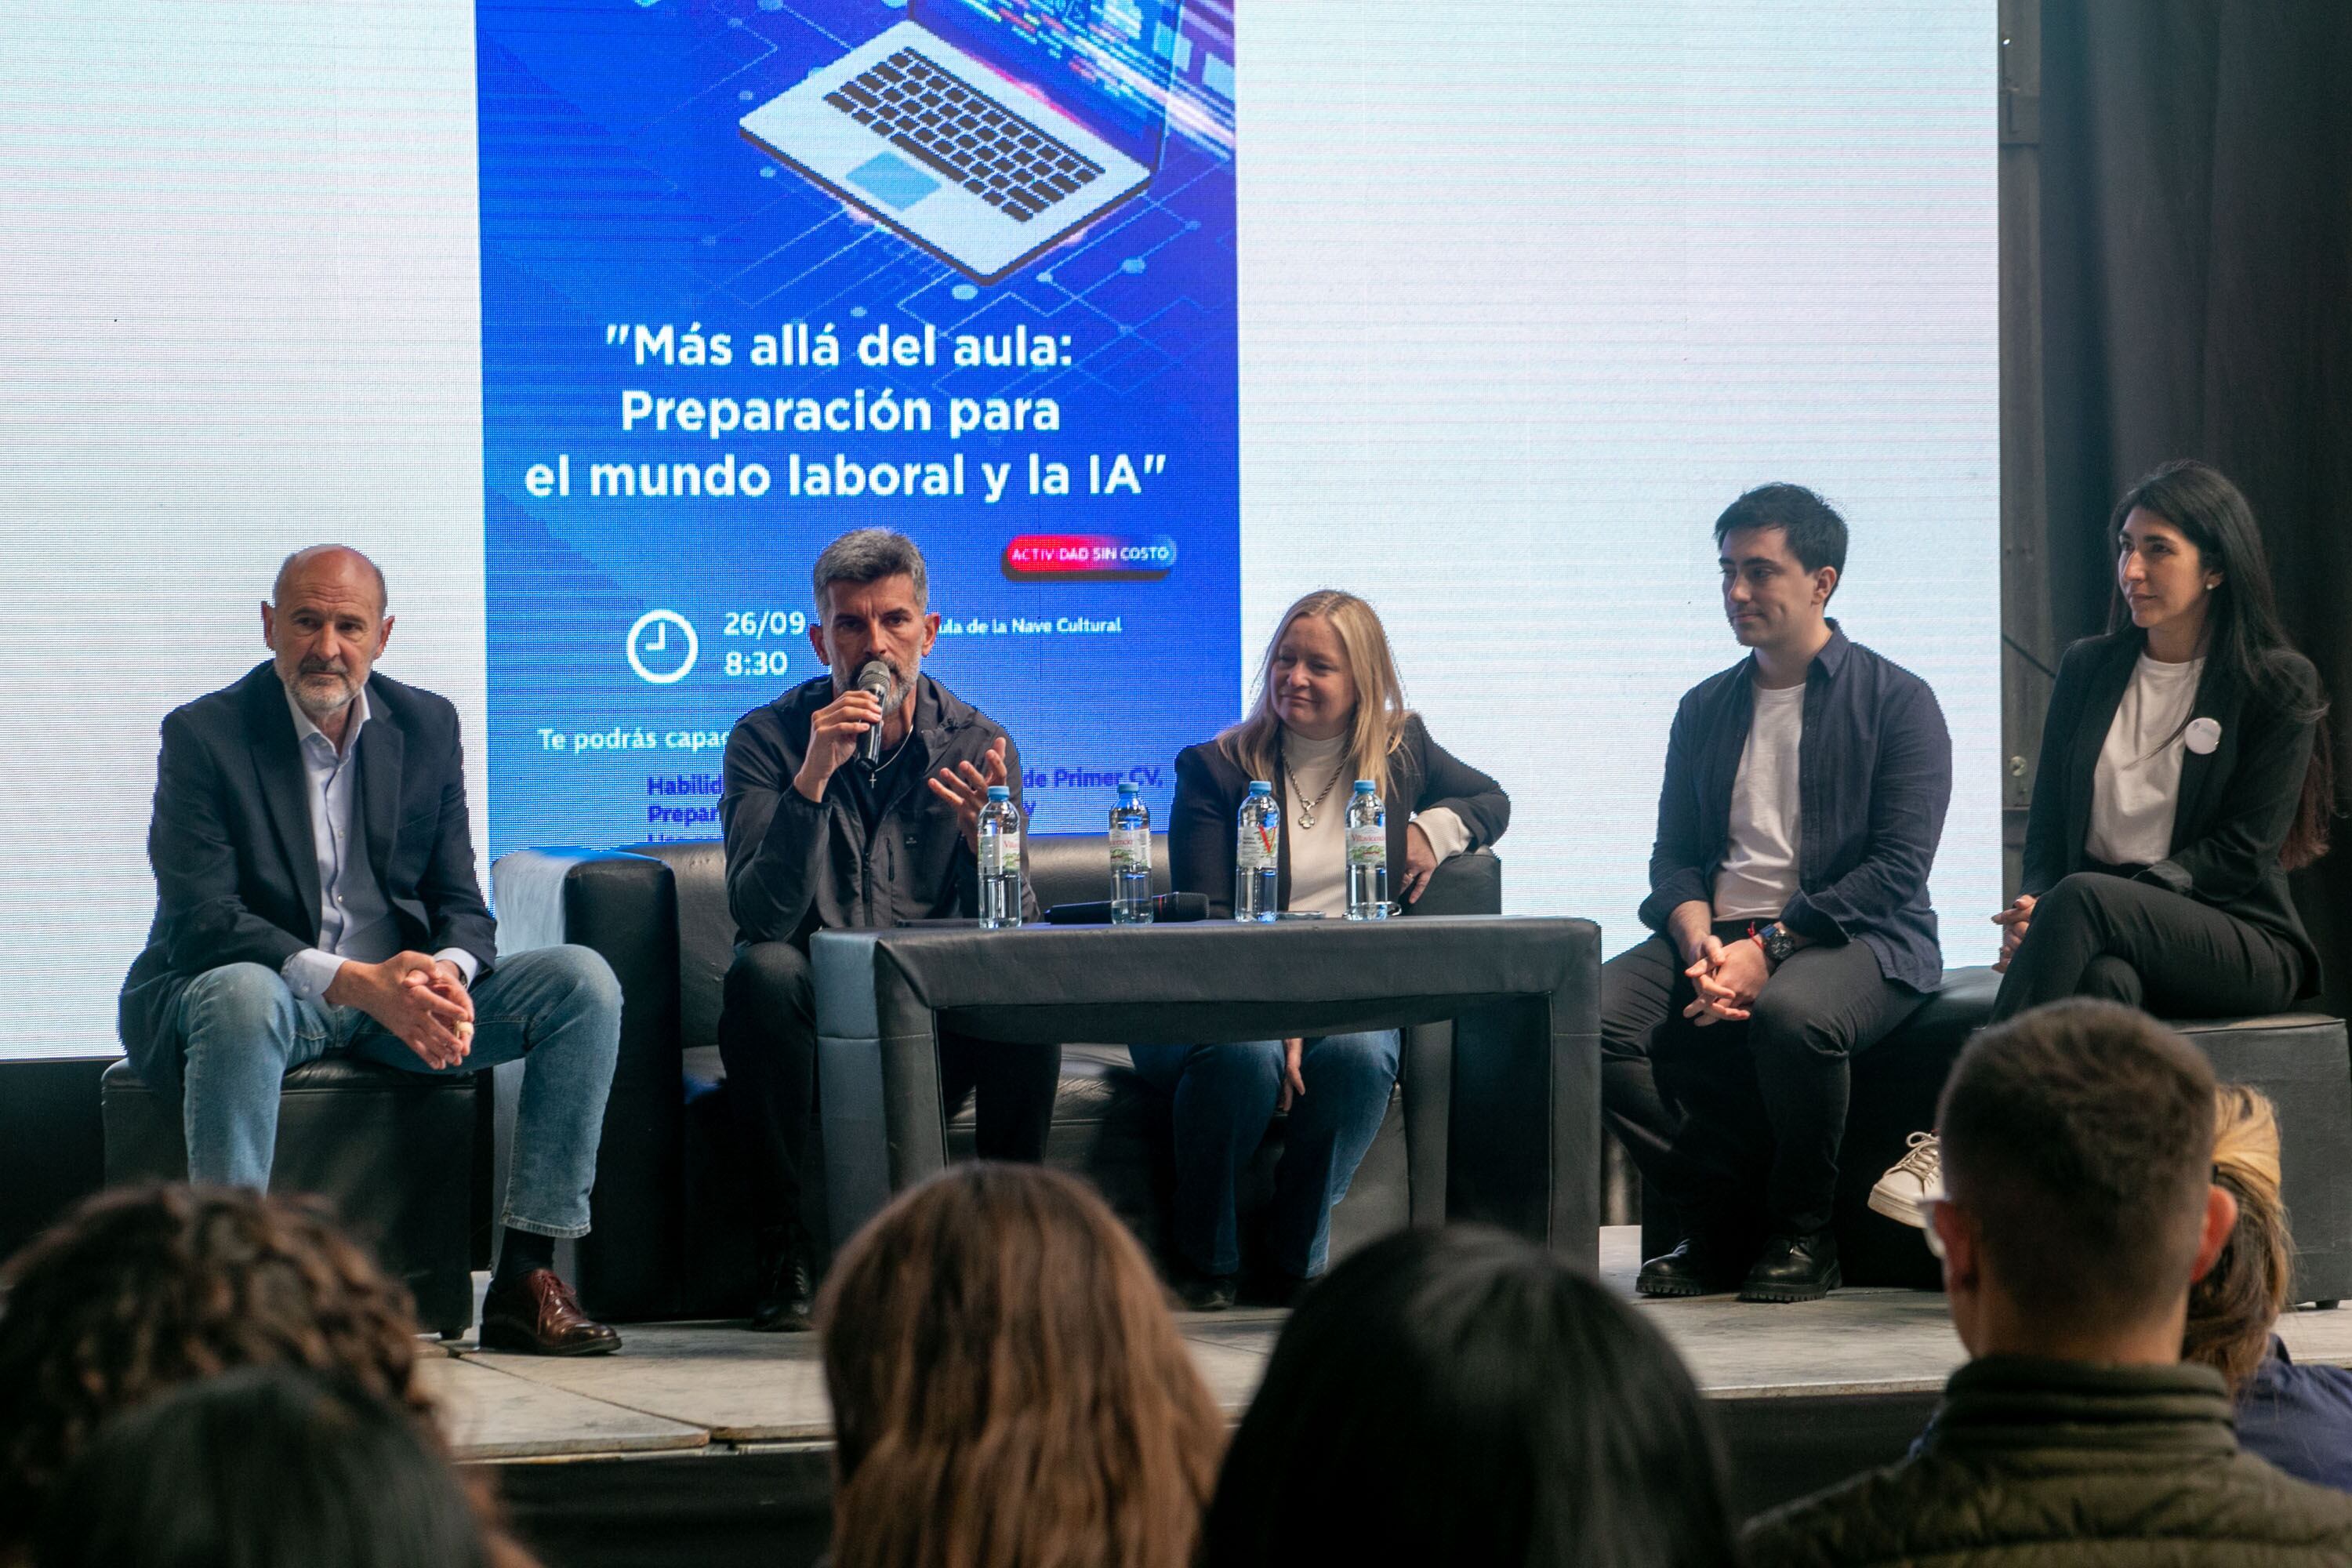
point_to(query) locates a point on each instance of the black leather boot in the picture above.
(1795, 1268)
(1702, 1265)
(787, 1283)
(1201, 1292)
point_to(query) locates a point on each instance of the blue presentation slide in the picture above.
(757, 272)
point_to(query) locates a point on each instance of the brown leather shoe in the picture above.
(540, 1316)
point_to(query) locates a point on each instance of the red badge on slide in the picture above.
(1089, 558)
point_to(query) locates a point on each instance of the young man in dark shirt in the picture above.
(819, 839)
(1804, 796)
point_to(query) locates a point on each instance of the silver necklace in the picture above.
(1306, 811)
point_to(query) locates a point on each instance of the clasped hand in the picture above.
(1728, 979)
(420, 1001)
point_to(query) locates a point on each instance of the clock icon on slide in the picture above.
(662, 647)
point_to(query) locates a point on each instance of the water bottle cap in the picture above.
(1129, 787)
(1364, 786)
(1261, 786)
(1000, 792)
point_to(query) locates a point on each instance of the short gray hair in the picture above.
(868, 555)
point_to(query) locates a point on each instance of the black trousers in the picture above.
(767, 1038)
(1737, 1124)
(2146, 946)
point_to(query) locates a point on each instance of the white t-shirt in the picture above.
(1759, 874)
(1318, 854)
(2135, 786)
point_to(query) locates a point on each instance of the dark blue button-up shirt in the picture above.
(1873, 779)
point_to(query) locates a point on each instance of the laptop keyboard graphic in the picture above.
(999, 157)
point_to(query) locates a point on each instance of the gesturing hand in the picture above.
(1293, 1082)
(965, 788)
(417, 1004)
(2013, 921)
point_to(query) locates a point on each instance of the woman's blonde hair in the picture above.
(1380, 714)
(1009, 1390)
(2232, 1309)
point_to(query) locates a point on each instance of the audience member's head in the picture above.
(2078, 1198)
(141, 1291)
(2233, 1307)
(263, 1467)
(1009, 1390)
(1461, 1397)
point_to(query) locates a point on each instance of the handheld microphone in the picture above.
(875, 678)
(1174, 909)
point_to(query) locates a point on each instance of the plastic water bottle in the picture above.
(1258, 856)
(1131, 858)
(1367, 855)
(1000, 860)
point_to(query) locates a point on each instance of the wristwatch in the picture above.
(1776, 944)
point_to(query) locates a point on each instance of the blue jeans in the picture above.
(558, 1008)
(1225, 1097)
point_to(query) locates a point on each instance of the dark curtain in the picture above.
(2196, 301)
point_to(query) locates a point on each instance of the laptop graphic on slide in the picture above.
(986, 130)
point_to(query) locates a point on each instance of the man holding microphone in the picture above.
(853, 801)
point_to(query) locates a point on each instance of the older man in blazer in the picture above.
(314, 872)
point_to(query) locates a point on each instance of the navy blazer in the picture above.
(1211, 786)
(236, 873)
(2237, 804)
(1874, 780)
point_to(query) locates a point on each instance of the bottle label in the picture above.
(1368, 844)
(1259, 848)
(1130, 849)
(1000, 851)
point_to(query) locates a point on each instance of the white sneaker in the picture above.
(1916, 1181)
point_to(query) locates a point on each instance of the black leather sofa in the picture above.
(2301, 1060)
(672, 1236)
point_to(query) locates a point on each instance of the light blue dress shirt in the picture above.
(355, 921)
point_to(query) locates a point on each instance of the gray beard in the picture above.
(844, 681)
(305, 698)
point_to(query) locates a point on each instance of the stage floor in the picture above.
(713, 1387)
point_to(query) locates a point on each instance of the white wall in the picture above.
(239, 313)
(1528, 298)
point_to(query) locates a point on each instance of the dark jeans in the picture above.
(1737, 1124)
(2146, 946)
(1225, 1097)
(767, 1038)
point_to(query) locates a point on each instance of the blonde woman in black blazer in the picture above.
(1329, 711)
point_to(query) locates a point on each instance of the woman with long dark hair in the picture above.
(2185, 770)
(2181, 779)
(1461, 1397)
(1009, 1390)
(1329, 710)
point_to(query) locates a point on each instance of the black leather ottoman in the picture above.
(392, 1151)
(2303, 1061)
